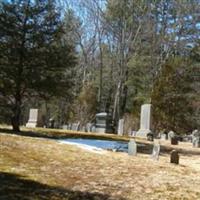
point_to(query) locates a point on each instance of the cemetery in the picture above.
(97, 163)
(67, 164)
(99, 100)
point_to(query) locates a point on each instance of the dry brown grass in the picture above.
(36, 168)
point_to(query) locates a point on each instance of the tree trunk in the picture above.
(100, 77)
(47, 116)
(15, 120)
(15, 123)
(116, 103)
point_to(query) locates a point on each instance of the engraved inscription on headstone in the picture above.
(132, 148)
(33, 117)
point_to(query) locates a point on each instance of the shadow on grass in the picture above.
(14, 187)
(30, 133)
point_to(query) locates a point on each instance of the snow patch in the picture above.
(85, 147)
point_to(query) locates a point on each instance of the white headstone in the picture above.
(33, 117)
(196, 138)
(163, 136)
(132, 148)
(145, 120)
(88, 127)
(75, 126)
(156, 151)
(120, 130)
(65, 126)
(171, 134)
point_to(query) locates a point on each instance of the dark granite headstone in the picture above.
(174, 140)
(174, 157)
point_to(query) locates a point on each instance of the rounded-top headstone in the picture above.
(132, 147)
(171, 134)
(174, 157)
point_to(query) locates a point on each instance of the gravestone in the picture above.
(174, 157)
(171, 134)
(130, 132)
(33, 117)
(163, 136)
(93, 129)
(145, 120)
(51, 123)
(132, 148)
(196, 138)
(133, 133)
(103, 123)
(75, 126)
(174, 140)
(196, 142)
(83, 128)
(69, 127)
(120, 129)
(65, 126)
(156, 151)
(88, 127)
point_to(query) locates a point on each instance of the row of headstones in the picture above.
(76, 127)
(145, 129)
(194, 138)
(33, 119)
(132, 150)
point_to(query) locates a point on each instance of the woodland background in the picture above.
(74, 58)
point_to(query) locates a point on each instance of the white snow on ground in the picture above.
(86, 147)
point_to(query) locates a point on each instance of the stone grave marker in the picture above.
(65, 126)
(163, 136)
(174, 157)
(103, 123)
(130, 132)
(174, 140)
(33, 117)
(93, 129)
(145, 120)
(132, 148)
(120, 129)
(156, 151)
(171, 134)
(75, 126)
(83, 128)
(88, 127)
(196, 139)
(196, 142)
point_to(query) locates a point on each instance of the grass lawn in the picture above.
(41, 168)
